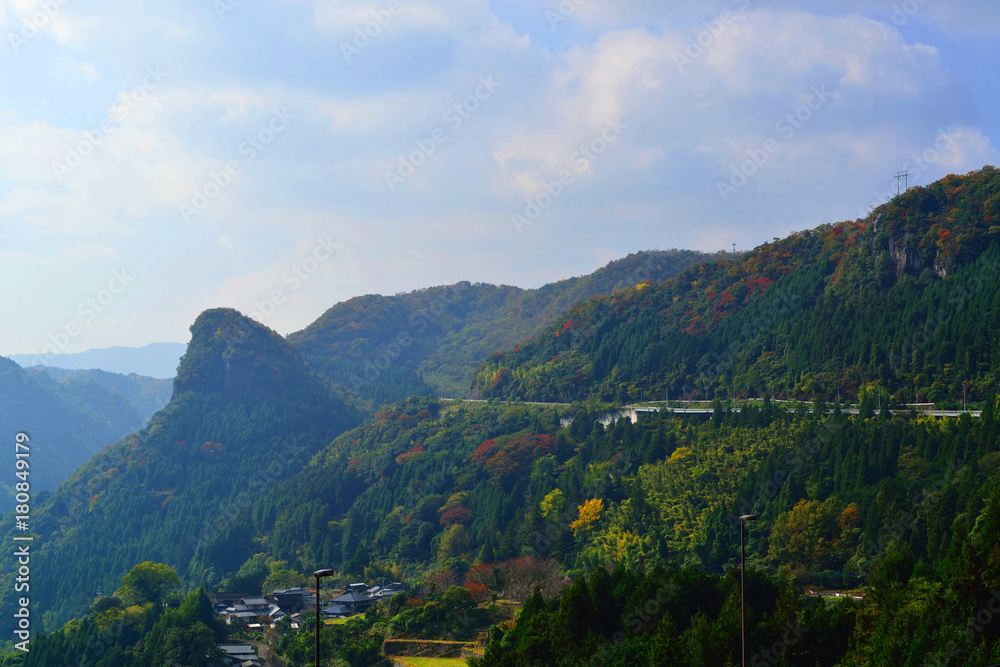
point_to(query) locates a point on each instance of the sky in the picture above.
(280, 156)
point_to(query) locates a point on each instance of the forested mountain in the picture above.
(443, 333)
(427, 482)
(145, 394)
(906, 299)
(246, 411)
(440, 492)
(67, 423)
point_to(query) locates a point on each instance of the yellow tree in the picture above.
(147, 582)
(552, 504)
(590, 513)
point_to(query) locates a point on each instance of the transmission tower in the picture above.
(905, 177)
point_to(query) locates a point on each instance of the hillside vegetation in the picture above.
(906, 299)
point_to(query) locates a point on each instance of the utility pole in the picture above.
(743, 569)
(319, 574)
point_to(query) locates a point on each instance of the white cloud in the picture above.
(27, 18)
(54, 213)
(970, 18)
(728, 94)
(77, 71)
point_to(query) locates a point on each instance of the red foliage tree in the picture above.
(485, 452)
(481, 573)
(480, 592)
(456, 515)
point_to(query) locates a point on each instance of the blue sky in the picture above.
(280, 156)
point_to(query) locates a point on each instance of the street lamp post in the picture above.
(318, 574)
(743, 569)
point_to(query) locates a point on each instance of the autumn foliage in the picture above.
(503, 463)
(456, 515)
(590, 513)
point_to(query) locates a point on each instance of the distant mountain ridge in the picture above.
(444, 332)
(146, 394)
(67, 422)
(156, 360)
(385, 348)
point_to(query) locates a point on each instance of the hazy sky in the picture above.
(279, 156)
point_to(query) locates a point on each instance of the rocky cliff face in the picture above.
(904, 256)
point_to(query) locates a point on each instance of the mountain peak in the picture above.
(230, 353)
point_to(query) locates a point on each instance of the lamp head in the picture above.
(748, 517)
(323, 573)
